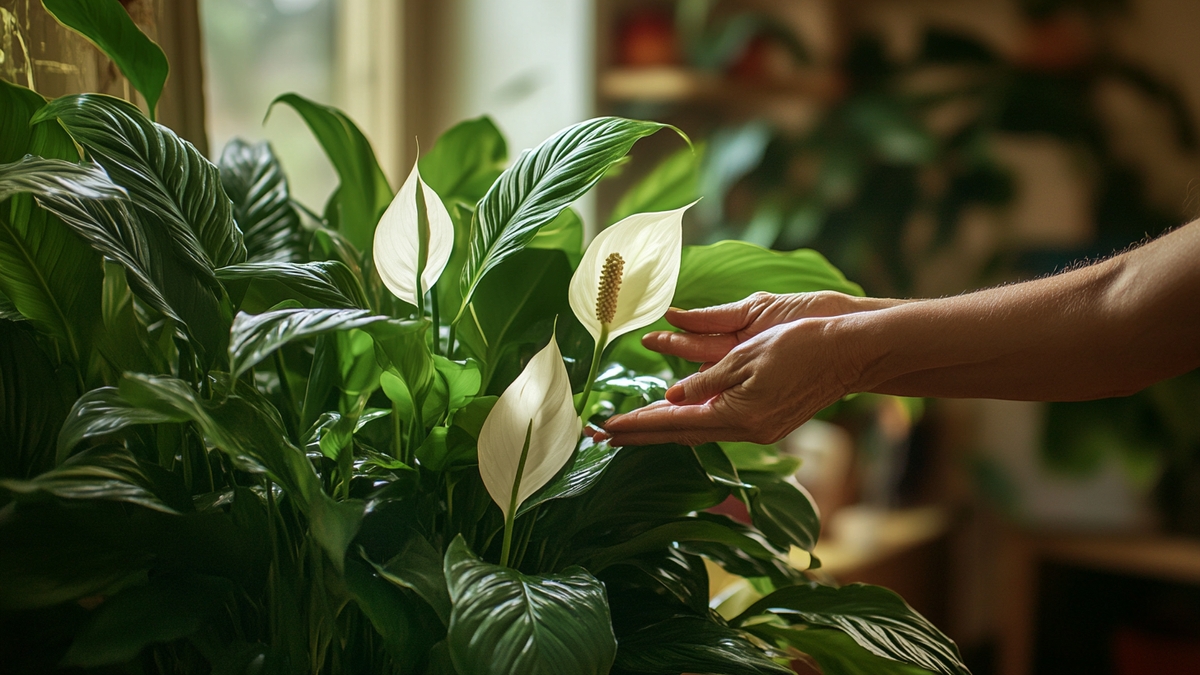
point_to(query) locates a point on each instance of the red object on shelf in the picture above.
(646, 37)
(1139, 653)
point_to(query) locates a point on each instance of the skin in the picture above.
(772, 361)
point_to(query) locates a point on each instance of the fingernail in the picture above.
(676, 394)
(675, 309)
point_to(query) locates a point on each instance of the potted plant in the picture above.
(240, 437)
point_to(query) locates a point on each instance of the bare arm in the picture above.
(1104, 330)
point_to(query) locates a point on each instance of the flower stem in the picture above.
(601, 342)
(512, 502)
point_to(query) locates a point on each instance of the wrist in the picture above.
(859, 350)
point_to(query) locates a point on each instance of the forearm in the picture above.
(1105, 330)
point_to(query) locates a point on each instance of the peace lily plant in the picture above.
(239, 435)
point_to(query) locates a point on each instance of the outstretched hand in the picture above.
(767, 368)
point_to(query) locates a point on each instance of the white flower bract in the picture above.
(541, 394)
(650, 245)
(397, 240)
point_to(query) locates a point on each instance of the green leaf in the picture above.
(165, 609)
(586, 468)
(646, 484)
(674, 183)
(363, 192)
(460, 380)
(732, 270)
(515, 306)
(168, 180)
(403, 624)
(690, 530)
(18, 138)
(418, 567)
(262, 203)
(183, 226)
(693, 645)
(257, 286)
(564, 233)
(33, 404)
(684, 576)
(102, 412)
(50, 275)
(785, 514)
(108, 26)
(249, 431)
(505, 622)
(835, 652)
(254, 337)
(876, 618)
(465, 161)
(755, 458)
(540, 184)
(153, 271)
(106, 473)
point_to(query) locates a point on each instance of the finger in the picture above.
(720, 319)
(690, 346)
(693, 438)
(704, 385)
(662, 416)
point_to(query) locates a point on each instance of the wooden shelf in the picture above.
(1159, 557)
(670, 84)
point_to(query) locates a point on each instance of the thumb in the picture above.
(728, 318)
(702, 386)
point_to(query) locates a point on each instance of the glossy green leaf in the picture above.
(262, 203)
(687, 644)
(674, 183)
(363, 191)
(162, 610)
(405, 627)
(835, 652)
(105, 473)
(876, 618)
(584, 470)
(461, 166)
(646, 484)
(515, 306)
(682, 575)
(465, 161)
(19, 138)
(33, 404)
(250, 433)
(51, 276)
(732, 270)
(564, 233)
(785, 514)
(763, 459)
(102, 412)
(418, 567)
(168, 180)
(255, 337)
(660, 537)
(108, 26)
(540, 184)
(736, 560)
(181, 223)
(257, 286)
(509, 623)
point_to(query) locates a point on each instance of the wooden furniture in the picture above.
(1159, 557)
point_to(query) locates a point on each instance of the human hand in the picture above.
(772, 372)
(711, 332)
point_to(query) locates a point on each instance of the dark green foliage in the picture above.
(228, 449)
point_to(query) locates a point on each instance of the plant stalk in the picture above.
(512, 502)
(601, 342)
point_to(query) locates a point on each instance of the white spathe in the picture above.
(541, 394)
(397, 240)
(650, 244)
